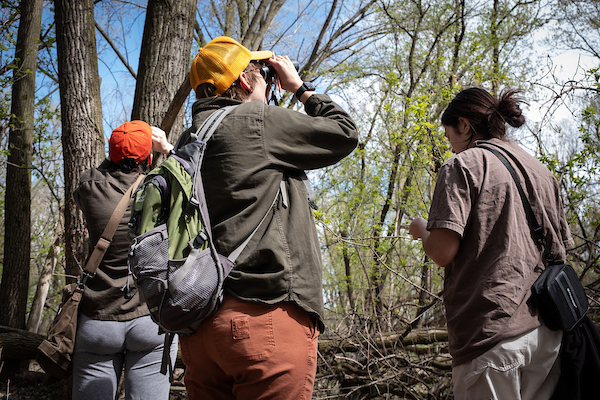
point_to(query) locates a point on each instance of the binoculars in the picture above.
(268, 72)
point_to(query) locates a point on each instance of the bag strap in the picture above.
(109, 231)
(236, 253)
(538, 231)
(204, 133)
(209, 126)
(167, 363)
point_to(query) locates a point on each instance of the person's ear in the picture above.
(464, 127)
(244, 82)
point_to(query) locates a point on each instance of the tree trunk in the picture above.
(459, 36)
(37, 305)
(17, 242)
(164, 60)
(495, 48)
(425, 289)
(81, 115)
(254, 27)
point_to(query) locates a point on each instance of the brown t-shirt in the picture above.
(488, 284)
(98, 193)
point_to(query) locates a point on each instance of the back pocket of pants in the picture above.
(246, 339)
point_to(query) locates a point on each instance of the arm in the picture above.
(441, 245)
(322, 136)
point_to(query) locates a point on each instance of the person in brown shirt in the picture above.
(115, 332)
(478, 231)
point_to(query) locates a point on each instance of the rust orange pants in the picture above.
(249, 351)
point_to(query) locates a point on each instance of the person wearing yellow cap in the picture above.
(262, 341)
(115, 331)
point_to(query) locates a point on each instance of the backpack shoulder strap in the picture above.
(209, 126)
(204, 134)
(206, 130)
(236, 253)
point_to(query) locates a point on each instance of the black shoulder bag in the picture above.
(557, 292)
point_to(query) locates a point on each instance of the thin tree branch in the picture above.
(112, 45)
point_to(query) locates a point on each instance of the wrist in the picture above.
(305, 87)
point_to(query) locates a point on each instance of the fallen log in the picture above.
(390, 341)
(19, 344)
(443, 361)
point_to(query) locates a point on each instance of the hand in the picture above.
(417, 228)
(286, 73)
(159, 141)
(440, 244)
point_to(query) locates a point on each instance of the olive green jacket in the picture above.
(253, 150)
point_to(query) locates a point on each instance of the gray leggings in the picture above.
(102, 348)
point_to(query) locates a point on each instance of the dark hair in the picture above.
(128, 165)
(235, 91)
(487, 114)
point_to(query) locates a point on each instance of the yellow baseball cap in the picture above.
(221, 62)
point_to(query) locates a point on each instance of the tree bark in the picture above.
(18, 344)
(37, 305)
(174, 108)
(17, 242)
(164, 60)
(81, 115)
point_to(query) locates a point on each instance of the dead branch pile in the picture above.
(412, 366)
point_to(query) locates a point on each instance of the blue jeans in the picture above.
(103, 348)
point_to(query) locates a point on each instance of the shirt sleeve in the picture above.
(452, 202)
(321, 137)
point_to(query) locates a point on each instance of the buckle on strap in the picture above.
(103, 244)
(200, 239)
(85, 276)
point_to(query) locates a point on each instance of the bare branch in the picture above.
(116, 50)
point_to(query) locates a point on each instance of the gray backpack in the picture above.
(180, 292)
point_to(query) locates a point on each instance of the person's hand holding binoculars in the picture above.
(287, 74)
